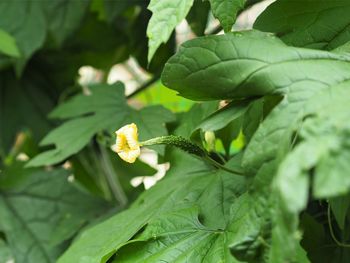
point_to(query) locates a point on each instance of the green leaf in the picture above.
(33, 96)
(226, 11)
(252, 118)
(116, 7)
(167, 14)
(57, 211)
(326, 122)
(5, 252)
(104, 110)
(158, 211)
(224, 116)
(320, 24)
(174, 236)
(251, 216)
(198, 16)
(25, 21)
(206, 68)
(64, 17)
(8, 44)
(345, 49)
(340, 206)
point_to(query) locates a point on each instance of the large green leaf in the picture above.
(226, 11)
(207, 68)
(105, 109)
(167, 14)
(40, 210)
(324, 121)
(320, 24)
(209, 199)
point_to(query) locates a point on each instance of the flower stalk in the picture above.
(128, 147)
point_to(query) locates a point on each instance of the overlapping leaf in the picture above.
(320, 24)
(104, 110)
(40, 210)
(226, 11)
(324, 146)
(253, 64)
(167, 14)
(159, 210)
(23, 106)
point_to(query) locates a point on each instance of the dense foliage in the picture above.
(271, 103)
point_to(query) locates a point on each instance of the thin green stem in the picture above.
(112, 178)
(339, 243)
(103, 183)
(189, 147)
(220, 166)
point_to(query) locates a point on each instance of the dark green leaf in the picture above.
(320, 24)
(64, 17)
(57, 210)
(226, 11)
(24, 105)
(25, 21)
(163, 202)
(340, 206)
(104, 109)
(198, 16)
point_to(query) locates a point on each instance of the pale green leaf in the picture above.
(8, 44)
(167, 14)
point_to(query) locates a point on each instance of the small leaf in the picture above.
(167, 14)
(340, 206)
(8, 44)
(224, 116)
(226, 11)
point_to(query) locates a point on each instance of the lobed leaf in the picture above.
(104, 110)
(57, 211)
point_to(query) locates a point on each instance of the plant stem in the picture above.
(189, 147)
(112, 178)
(220, 166)
(339, 243)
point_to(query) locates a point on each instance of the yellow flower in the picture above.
(127, 145)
